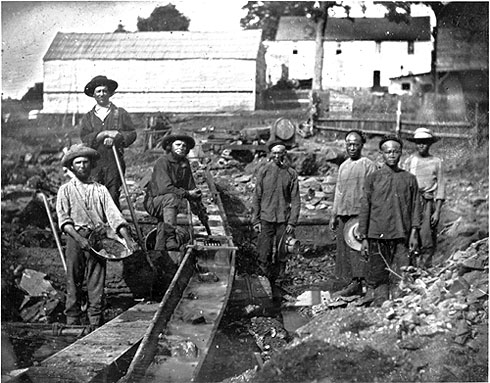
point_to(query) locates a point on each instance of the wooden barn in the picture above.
(181, 72)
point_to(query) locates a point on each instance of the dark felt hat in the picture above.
(171, 138)
(79, 150)
(100, 81)
(390, 137)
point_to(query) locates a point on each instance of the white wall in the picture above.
(150, 86)
(354, 66)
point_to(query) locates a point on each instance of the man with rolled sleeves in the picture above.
(276, 207)
(105, 126)
(83, 206)
(389, 221)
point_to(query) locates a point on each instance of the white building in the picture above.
(157, 71)
(358, 52)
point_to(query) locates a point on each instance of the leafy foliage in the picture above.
(165, 18)
(265, 15)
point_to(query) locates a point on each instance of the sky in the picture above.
(29, 27)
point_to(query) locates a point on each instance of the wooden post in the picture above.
(398, 130)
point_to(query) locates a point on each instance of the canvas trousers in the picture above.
(164, 208)
(83, 266)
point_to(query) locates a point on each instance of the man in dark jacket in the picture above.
(105, 126)
(171, 182)
(388, 222)
(276, 207)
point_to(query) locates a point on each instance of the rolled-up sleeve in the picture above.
(63, 208)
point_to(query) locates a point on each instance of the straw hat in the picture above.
(351, 234)
(100, 81)
(423, 134)
(288, 245)
(79, 150)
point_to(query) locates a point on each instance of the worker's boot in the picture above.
(170, 221)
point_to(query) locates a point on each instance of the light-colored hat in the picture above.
(100, 81)
(79, 150)
(288, 245)
(423, 134)
(351, 234)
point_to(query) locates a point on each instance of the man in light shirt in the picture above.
(105, 126)
(430, 176)
(349, 265)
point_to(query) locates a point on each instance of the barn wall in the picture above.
(191, 102)
(146, 86)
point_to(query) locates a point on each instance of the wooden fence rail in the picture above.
(383, 126)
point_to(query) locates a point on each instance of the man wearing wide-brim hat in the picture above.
(172, 182)
(429, 171)
(105, 126)
(83, 206)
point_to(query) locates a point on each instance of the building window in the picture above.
(405, 86)
(410, 47)
(339, 49)
(376, 79)
(378, 46)
(295, 51)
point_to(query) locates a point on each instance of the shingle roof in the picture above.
(294, 28)
(154, 45)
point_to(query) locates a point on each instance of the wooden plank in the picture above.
(94, 357)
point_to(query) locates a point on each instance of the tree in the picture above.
(265, 15)
(165, 18)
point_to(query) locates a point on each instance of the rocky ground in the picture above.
(436, 331)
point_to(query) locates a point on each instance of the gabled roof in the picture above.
(155, 45)
(294, 28)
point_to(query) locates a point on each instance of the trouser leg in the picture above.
(108, 176)
(264, 247)
(75, 272)
(96, 267)
(164, 208)
(428, 234)
(343, 268)
(278, 265)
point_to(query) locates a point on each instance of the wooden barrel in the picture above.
(284, 129)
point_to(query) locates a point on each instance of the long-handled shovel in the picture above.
(131, 209)
(53, 228)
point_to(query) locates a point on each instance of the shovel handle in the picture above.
(53, 228)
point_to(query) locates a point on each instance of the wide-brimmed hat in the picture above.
(79, 150)
(100, 81)
(275, 143)
(423, 134)
(351, 234)
(288, 245)
(171, 138)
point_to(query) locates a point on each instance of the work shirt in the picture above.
(429, 174)
(87, 205)
(171, 175)
(390, 206)
(276, 197)
(350, 185)
(117, 119)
